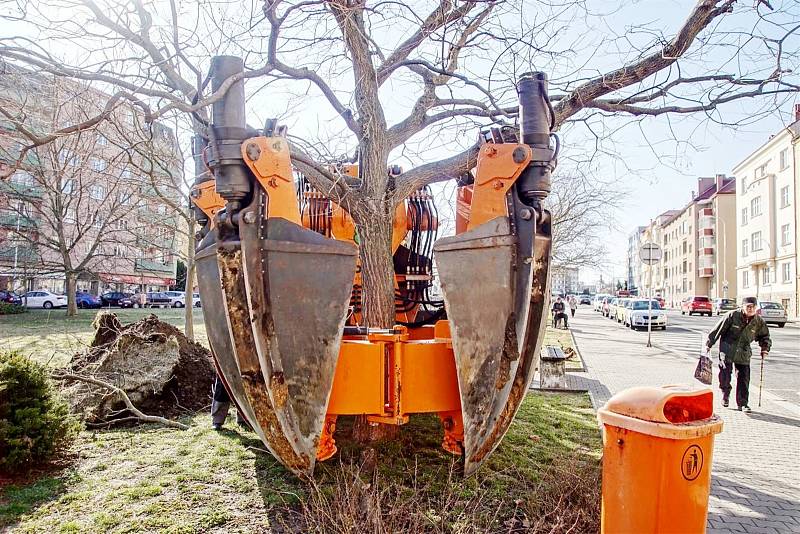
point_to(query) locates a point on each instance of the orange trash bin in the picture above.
(657, 449)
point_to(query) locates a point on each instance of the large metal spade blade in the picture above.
(478, 270)
(298, 291)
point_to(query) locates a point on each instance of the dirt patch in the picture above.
(162, 372)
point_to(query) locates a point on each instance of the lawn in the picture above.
(154, 479)
(49, 336)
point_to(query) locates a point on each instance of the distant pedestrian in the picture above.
(559, 313)
(573, 304)
(736, 330)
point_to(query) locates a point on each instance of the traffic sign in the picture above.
(650, 253)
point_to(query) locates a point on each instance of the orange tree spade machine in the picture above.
(278, 274)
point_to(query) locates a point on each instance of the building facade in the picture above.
(653, 233)
(564, 280)
(96, 206)
(698, 254)
(634, 263)
(767, 233)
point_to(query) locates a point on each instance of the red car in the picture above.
(699, 305)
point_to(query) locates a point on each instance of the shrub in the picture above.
(35, 422)
(6, 308)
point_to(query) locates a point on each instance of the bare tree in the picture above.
(397, 78)
(91, 208)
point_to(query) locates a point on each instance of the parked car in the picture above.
(87, 300)
(640, 313)
(622, 307)
(177, 299)
(112, 298)
(10, 297)
(772, 312)
(696, 304)
(196, 300)
(610, 311)
(155, 299)
(42, 298)
(719, 306)
(585, 299)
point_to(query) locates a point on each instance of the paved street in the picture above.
(756, 473)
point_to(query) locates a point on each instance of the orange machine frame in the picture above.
(388, 375)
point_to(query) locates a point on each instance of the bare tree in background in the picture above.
(398, 80)
(88, 209)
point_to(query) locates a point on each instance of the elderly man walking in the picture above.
(736, 330)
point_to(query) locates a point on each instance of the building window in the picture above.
(745, 244)
(745, 278)
(126, 174)
(102, 140)
(761, 171)
(744, 216)
(744, 184)
(785, 238)
(786, 272)
(784, 158)
(70, 216)
(784, 196)
(766, 276)
(22, 178)
(755, 207)
(99, 165)
(97, 192)
(684, 247)
(755, 241)
(68, 187)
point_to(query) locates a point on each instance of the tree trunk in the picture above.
(72, 282)
(374, 228)
(188, 319)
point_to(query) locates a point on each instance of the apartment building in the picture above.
(698, 244)
(767, 233)
(653, 276)
(564, 280)
(106, 194)
(634, 263)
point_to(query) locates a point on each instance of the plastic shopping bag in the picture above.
(703, 370)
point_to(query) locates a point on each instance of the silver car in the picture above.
(772, 312)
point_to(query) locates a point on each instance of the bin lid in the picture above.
(673, 404)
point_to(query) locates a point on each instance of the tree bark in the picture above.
(72, 282)
(188, 318)
(373, 221)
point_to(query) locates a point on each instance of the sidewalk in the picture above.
(756, 475)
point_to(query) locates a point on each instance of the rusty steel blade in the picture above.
(496, 323)
(217, 329)
(279, 443)
(298, 291)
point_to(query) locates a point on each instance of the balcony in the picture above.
(705, 251)
(20, 190)
(24, 254)
(706, 212)
(705, 272)
(11, 219)
(154, 266)
(704, 232)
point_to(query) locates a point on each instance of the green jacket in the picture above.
(735, 336)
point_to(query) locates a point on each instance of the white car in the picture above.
(42, 298)
(638, 316)
(177, 299)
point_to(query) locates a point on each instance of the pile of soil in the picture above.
(161, 371)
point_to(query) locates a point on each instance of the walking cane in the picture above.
(761, 382)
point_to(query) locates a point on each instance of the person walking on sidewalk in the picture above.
(735, 331)
(573, 304)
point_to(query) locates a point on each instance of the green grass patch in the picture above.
(151, 479)
(49, 336)
(563, 339)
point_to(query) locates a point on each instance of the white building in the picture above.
(634, 263)
(564, 280)
(766, 207)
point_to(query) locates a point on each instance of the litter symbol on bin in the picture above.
(692, 462)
